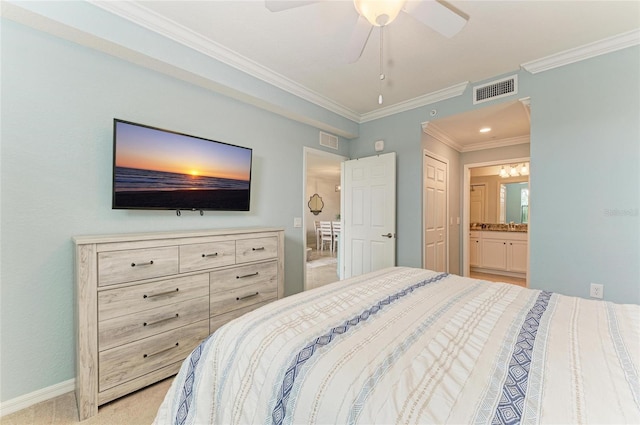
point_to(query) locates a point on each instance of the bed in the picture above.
(406, 345)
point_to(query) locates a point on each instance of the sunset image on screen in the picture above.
(150, 149)
(163, 169)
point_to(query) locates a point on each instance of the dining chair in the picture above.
(316, 227)
(326, 235)
(335, 231)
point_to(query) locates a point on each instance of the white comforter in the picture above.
(409, 345)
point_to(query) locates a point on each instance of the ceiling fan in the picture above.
(436, 14)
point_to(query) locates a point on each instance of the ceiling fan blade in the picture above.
(280, 5)
(438, 15)
(358, 39)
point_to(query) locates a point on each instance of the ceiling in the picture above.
(304, 46)
(322, 166)
(509, 124)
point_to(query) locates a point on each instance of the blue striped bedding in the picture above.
(405, 345)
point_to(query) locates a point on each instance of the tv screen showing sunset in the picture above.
(154, 168)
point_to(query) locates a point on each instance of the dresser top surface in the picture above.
(124, 237)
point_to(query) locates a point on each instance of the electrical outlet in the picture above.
(297, 221)
(596, 290)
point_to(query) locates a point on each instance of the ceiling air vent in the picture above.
(495, 89)
(328, 140)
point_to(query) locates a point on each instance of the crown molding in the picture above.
(510, 141)
(607, 45)
(174, 31)
(434, 131)
(416, 102)
(152, 21)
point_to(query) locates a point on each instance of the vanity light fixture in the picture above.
(515, 170)
(485, 130)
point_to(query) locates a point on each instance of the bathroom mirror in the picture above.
(514, 203)
(315, 204)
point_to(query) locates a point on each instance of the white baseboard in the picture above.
(28, 400)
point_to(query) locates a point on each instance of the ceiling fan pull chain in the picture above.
(381, 64)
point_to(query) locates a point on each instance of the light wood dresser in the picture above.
(145, 301)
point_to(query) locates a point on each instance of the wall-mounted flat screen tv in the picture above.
(160, 169)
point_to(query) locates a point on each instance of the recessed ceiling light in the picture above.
(485, 130)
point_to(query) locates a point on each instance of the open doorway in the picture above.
(498, 134)
(321, 218)
(496, 246)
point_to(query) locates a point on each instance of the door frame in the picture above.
(466, 191)
(425, 153)
(305, 151)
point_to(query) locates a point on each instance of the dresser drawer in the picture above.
(216, 321)
(202, 256)
(242, 286)
(256, 249)
(124, 301)
(230, 279)
(132, 327)
(136, 359)
(136, 264)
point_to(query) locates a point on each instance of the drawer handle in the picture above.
(159, 294)
(258, 249)
(247, 296)
(247, 275)
(215, 254)
(161, 351)
(150, 263)
(161, 320)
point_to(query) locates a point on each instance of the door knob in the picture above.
(388, 235)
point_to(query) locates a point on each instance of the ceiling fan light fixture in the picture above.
(379, 12)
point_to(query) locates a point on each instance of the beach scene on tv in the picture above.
(164, 170)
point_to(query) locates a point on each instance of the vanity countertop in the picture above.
(494, 227)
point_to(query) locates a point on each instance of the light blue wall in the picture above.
(58, 103)
(585, 177)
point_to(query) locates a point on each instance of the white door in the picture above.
(369, 214)
(435, 210)
(476, 212)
